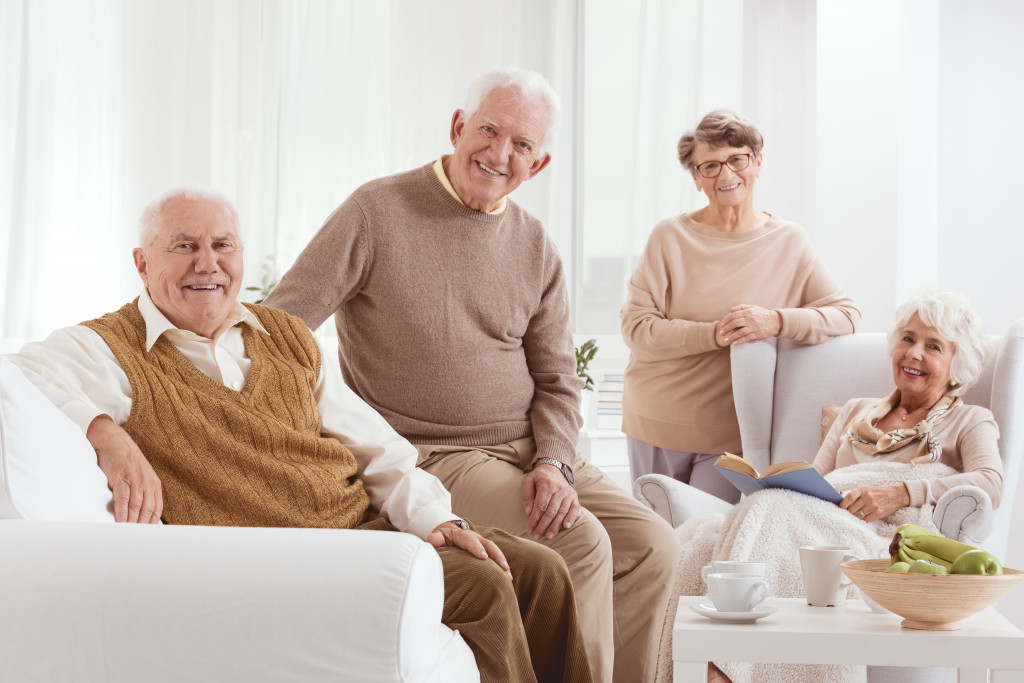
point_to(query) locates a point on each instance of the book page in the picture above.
(737, 464)
(792, 466)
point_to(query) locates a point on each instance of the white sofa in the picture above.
(84, 599)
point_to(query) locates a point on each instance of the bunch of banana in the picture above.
(911, 543)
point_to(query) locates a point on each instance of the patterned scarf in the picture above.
(868, 439)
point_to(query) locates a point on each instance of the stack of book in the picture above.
(609, 402)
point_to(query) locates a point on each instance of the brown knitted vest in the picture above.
(228, 458)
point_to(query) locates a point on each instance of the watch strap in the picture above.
(565, 469)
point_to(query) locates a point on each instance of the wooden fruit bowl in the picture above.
(932, 602)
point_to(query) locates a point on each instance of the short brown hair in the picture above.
(718, 128)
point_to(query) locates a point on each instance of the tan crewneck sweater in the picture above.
(968, 436)
(678, 386)
(228, 458)
(453, 324)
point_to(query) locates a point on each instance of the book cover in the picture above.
(796, 476)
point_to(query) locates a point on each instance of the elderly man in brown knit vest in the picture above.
(206, 411)
(453, 322)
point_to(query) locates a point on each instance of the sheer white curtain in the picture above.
(284, 105)
(650, 74)
(60, 150)
(345, 92)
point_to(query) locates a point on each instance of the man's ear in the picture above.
(458, 124)
(538, 165)
(139, 256)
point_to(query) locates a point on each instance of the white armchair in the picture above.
(84, 599)
(780, 388)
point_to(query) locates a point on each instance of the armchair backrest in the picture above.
(780, 388)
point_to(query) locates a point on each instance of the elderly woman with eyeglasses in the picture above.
(725, 274)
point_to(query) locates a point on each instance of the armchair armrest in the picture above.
(964, 513)
(124, 602)
(674, 500)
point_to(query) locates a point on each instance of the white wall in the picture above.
(981, 176)
(898, 126)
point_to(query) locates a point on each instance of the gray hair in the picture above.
(150, 220)
(956, 320)
(718, 128)
(530, 84)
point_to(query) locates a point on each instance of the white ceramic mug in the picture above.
(733, 592)
(733, 567)
(824, 582)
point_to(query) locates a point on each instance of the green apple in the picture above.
(926, 567)
(976, 562)
(898, 568)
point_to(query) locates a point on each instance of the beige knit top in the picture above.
(227, 458)
(453, 324)
(968, 435)
(678, 385)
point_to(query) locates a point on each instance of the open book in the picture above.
(796, 476)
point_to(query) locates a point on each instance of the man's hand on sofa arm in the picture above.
(451, 535)
(138, 495)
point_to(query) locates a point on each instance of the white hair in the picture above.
(150, 220)
(531, 86)
(956, 320)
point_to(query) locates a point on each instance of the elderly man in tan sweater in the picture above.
(206, 411)
(453, 322)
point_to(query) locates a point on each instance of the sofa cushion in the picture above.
(48, 468)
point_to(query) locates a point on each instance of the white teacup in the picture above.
(733, 567)
(824, 582)
(733, 592)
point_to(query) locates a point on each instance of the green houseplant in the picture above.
(267, 280)
(584, 354)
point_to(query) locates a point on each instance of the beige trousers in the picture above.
(622, 556)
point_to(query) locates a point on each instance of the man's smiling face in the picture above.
(192, 266)
(497, 148)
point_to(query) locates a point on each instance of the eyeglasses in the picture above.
(737, 162)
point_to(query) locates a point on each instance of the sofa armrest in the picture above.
(674, 500)
(121, 602)
(964, 513)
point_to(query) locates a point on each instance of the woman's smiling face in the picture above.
(921, 361)
(729, 187)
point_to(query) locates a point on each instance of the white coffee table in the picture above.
(801, 634)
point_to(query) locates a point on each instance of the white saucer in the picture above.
(709, 611)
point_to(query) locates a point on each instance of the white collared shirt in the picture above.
(78, 372)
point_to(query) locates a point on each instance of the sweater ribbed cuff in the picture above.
(556, 451)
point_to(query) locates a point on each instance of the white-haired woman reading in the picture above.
(938, 350)
(893, 457)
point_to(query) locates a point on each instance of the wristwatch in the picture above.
(461, 523)
(566, 470)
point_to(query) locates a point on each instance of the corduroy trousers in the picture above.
(524, 630)
(621, 555)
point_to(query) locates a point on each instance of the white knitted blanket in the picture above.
(770, 526)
